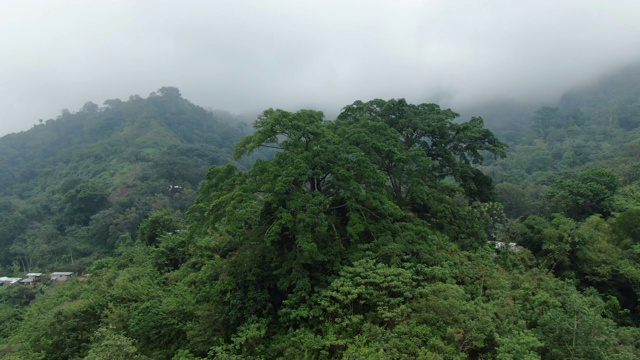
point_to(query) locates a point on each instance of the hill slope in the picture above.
(74, 185)
(365, 237)
(614, 98)
(571, 185)
(371, 236)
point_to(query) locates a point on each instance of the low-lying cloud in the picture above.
(245, 56)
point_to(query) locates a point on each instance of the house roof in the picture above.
(34, 274)
(9, 279)
(62, 273)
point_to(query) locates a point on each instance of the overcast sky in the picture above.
(245, 56)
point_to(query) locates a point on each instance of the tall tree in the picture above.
(589, 193)
(453, 147)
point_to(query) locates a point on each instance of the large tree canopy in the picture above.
(452, 147)
(336, 188)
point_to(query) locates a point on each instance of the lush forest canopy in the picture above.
(396, 230)
(74, 186)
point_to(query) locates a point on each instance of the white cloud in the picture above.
(250, 55)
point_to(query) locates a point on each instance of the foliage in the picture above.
(588, 194)
(157, 225)
(77, 184)
(371, 236)
(574, 205)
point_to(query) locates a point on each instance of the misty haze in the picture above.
(319, 180)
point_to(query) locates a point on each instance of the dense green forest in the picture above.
(396, 231)
(74, 186)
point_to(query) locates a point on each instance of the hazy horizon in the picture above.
(246, 56)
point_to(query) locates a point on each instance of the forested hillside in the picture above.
(72, 187)
(570, 186)
(395, 231)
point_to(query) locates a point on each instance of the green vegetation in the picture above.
(75, 186)
(376, 235)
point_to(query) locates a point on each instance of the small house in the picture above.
(500, 245)
(28, 281)
(9, 280)
(175, 188)
(31, 279)
(60, 276)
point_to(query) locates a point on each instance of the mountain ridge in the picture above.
(126, 153)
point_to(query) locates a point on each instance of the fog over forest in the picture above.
(425, 180)
(246, 56)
